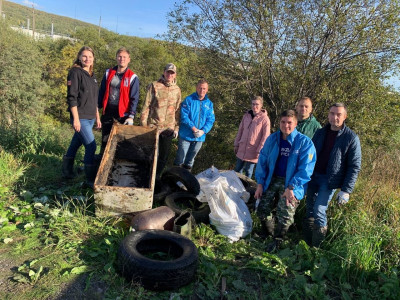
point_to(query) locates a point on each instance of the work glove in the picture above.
(128, 121)
(343, 197)
(175, 134)
(198, 133)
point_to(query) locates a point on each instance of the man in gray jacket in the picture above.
(338, 164)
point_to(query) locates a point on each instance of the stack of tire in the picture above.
(178, 189)
(161, 259)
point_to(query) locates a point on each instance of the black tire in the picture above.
(175, 174)
(180, 201)
(155, 274)
(161, 190)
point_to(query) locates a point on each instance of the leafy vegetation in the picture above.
(52, 245)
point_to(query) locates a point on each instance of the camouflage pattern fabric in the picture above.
(271, 204)
(162, 106)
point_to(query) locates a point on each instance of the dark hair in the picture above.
(78, 63)
(339, 104)
(201, 81)
(289, 113)
(122, 49)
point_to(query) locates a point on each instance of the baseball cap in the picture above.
(170, 67)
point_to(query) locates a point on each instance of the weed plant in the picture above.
(58, 249)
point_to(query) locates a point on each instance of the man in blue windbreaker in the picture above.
(338, 164)
(284, 168)
(197, 119)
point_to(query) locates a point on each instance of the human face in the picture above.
(336, 117)
(304, 109)
(123, 59)
(256, 106)
(169, 76)
(287, 125)
(86, 59)
(202, 90)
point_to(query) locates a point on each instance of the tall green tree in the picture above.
(287, 49)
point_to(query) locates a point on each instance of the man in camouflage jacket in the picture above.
(162, 109)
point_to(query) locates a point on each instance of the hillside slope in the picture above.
(17, 15)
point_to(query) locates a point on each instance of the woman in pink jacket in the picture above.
(253, 131)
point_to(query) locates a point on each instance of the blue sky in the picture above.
(142, 18)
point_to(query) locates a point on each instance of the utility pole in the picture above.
(99, 25)
(33, 21)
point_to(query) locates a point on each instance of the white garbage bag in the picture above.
(226, 197)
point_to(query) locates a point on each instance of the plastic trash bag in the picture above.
(226, 195)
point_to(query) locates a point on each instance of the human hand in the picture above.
(77, 125)
(175, 134)
(236, 149)
(342, 198)
(259, 191)
(128, 121)
(98, 123)
(290, 198)
(198, 133)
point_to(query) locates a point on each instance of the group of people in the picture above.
(118, 98)
(301, 159)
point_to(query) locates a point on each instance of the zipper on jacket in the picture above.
(198, 124)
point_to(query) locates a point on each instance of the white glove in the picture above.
(343, 197)
(175, 134)
(198, 133)
(129, 121)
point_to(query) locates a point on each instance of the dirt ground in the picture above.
(74, 289)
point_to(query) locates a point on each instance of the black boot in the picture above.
(68, 167)
(280, 233)
(308, 226)
(187, 168)
(90, 172)
(267, 227)
(318, 235)
(270, 226)
(274, 245)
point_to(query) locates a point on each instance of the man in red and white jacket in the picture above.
(118, 95)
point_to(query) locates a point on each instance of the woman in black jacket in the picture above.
(82, 92)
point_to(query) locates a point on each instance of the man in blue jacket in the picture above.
(338, 164)
(284, 167)
(197, 119)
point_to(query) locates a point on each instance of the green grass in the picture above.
(54, 245)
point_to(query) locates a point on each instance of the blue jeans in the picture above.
(186, 153)
(84, 137)
(244, 167)
(318, 198)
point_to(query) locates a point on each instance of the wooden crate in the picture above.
(126, 176)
